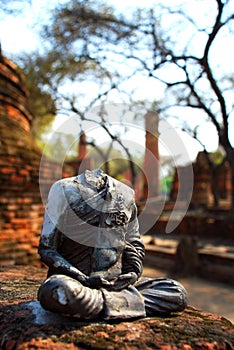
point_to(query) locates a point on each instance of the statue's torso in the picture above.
(94, 226)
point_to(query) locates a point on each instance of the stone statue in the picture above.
(91, 243)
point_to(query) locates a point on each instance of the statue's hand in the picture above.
(82, 279)
(96, 282)
(123, 281)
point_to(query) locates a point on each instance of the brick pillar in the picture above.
(151, 160)
(84, 161)
(82, 147)
(21, 207)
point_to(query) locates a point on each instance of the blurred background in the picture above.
(142, 91)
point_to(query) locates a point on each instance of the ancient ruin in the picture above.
(24, 325)
(21, 208)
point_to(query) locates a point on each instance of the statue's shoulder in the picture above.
(66, 189)
(123, 187)
(68, 182)
(124, 190)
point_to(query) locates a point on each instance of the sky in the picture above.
(16, 33)
(19, 33)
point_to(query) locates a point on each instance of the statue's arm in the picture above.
(133, 254)
(134, 251)
(58, 264)
(50, 235)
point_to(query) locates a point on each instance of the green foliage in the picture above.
(75, 37)
(101, 156)
(40, 101)
(166, 184)
(60, 147)
(77, 29)
(114, 161)
(85, 23)
(217, 157)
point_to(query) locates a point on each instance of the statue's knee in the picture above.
(180, 290)
(55, 294)
(177, 295)
(165, 296)
(63, 294)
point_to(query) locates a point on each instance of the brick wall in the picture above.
(21, 207)
(204, 179)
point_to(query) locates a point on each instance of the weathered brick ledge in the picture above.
(24, 325)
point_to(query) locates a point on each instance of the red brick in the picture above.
(24, 172)
(16, 178)
(7, 170)
(9, 214)
(12, 207)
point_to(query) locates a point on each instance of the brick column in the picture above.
(21, 207)
(151, 160)
(84, 161)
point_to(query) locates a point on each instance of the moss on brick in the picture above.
(192, 329)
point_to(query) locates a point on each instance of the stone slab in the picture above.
(25, 325)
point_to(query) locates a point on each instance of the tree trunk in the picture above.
(214, 185)
(232, 193)
(133, 172)
(230, 158)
